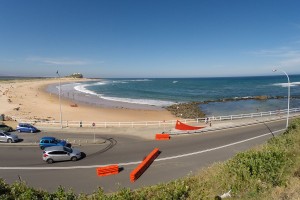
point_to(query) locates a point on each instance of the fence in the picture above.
(153, 123)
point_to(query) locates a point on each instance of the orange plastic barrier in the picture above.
(141, 168)
(107, 170)
(181, 126)
(162, 136)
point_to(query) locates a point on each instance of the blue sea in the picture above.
(163, 92)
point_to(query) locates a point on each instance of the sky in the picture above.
(149, 38)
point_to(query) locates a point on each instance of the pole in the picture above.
(289, 94)
(59, 91)
(94, 131)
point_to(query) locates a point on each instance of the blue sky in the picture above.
(149, 38)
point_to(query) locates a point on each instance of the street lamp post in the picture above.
(289, 92)
(59, 100)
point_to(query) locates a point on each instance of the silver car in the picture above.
(8, 137)
(60, 153)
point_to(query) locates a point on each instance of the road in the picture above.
(180, 156)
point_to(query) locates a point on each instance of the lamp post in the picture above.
(59, 100)
(289, 92)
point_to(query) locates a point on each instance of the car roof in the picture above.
(48, 138)
(54, 148)
(21, 124)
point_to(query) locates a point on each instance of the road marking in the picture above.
(138, 162)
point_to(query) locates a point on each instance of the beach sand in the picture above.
(28, 99)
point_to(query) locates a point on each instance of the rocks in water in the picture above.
(192, 110)
(186, 110)
(263, 97)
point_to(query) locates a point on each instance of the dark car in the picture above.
(24, 127)
(52, 141)
(5, 128)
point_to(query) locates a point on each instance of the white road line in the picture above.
(138, 162)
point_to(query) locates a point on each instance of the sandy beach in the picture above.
(28, 99)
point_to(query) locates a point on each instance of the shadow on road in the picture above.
(269, 129)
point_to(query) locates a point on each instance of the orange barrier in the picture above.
(141, 168)
(107, 170)
(162, 136)
(181, 126)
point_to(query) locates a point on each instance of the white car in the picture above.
(60, 153)
(8, 137)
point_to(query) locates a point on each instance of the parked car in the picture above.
(24, 127)
(52, 141)
(60, 153)
(5, 128)
(8, 137)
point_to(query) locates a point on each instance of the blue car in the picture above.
(52, 141)
(24, 127)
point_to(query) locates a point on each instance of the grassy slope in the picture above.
(270, 171)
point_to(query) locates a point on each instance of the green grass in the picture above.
(269, 171)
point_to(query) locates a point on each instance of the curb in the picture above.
(31, 144)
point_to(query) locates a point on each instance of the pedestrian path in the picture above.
(226, 124)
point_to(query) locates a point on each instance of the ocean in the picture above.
(161, 92)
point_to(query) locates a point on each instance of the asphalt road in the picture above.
(180, 156)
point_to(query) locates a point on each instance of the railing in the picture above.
(153, 123)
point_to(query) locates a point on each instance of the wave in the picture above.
(82, 88)
(292, 84)
(151, 102)
(127, 81)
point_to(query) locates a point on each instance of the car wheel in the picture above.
(73, 158)
(9, 140)
(19, 131)
(42, 147)
(31, 131)
(50, 161)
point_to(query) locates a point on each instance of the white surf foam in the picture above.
(127, 81)
(140, 101)
(82, 88)
(292, 84)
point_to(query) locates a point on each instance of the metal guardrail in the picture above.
(152, 123)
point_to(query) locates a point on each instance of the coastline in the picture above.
(29, 99)
(69, 93)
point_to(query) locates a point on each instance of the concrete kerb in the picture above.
(28, 144)
(75, 140)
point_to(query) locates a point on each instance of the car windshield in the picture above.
(6, 133)
(69, 150)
